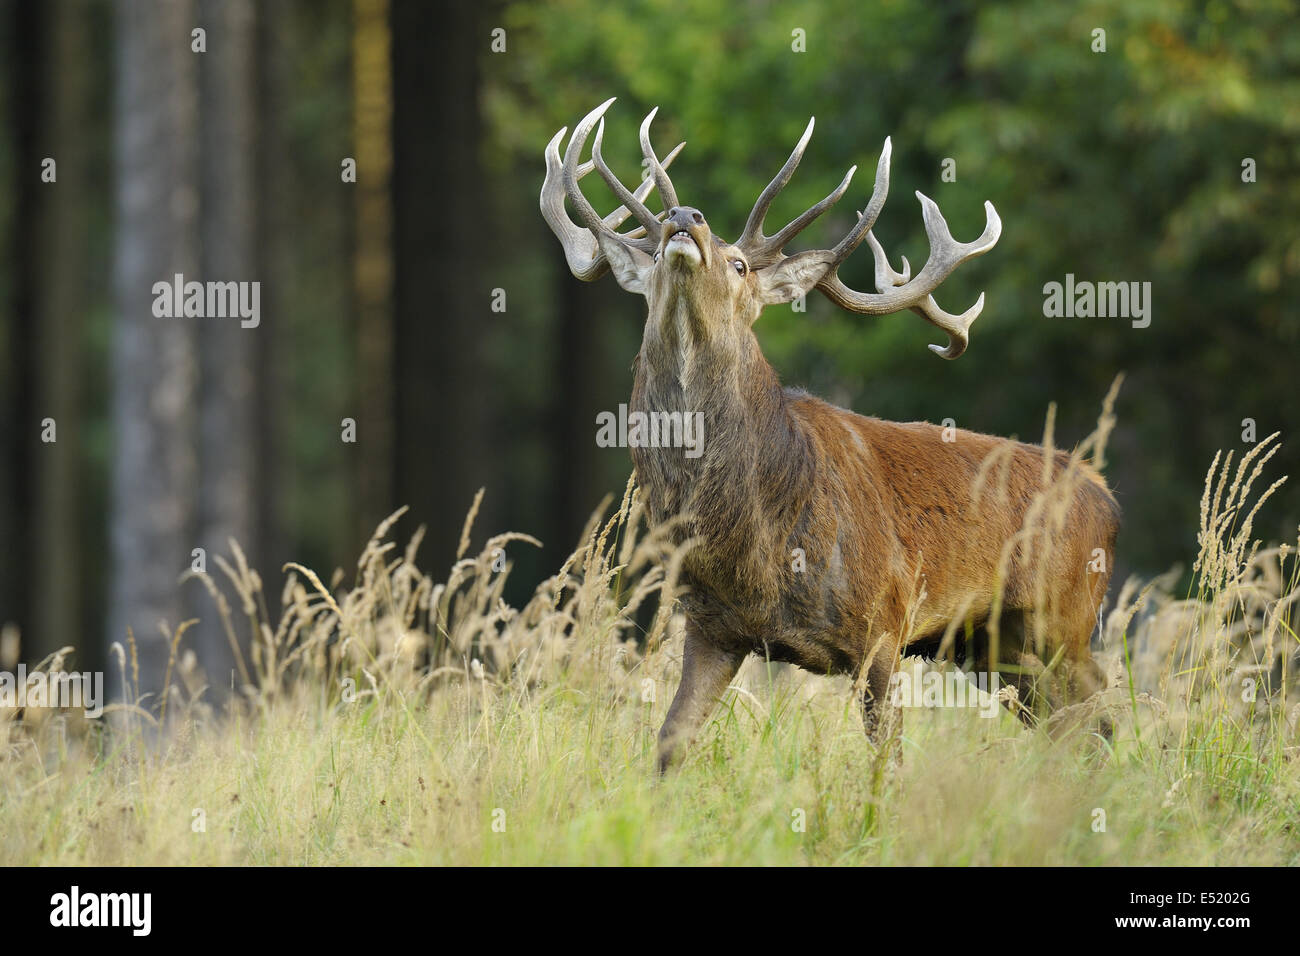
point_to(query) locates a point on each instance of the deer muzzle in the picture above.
(686, 236)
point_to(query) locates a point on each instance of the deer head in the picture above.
(684, 269)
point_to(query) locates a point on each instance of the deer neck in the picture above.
(751, 443)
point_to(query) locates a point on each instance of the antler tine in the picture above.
(754, 224)
(768, 249)
(581, 250)
(765, 250)
(662, 182)
(796, 225)
(570, 170)
(867, 217)
(629, 199)
(620, 215)
(897, 291)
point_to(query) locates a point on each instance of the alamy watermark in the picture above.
(651, 430)
(1085, 300)
(131, 911)
(208, 300)
(910, 687)
(63, 689)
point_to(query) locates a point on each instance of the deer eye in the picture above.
(741, 268)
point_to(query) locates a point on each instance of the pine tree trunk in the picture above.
(153, 364)
(227, 483)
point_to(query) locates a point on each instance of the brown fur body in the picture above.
(874, 506)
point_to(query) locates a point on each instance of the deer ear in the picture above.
(792, 277)
(630, 266)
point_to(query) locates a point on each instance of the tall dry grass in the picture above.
(393, 718)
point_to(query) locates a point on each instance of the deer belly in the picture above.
(811, 652)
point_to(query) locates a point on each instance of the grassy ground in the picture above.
(398, 721)
(485, 774)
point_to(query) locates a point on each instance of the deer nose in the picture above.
(683, 217)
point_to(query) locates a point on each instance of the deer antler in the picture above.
(660, 173)
(896, 290)
(764, 250)
(900, 290)
(581, 249)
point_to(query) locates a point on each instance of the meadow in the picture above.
(388, 718)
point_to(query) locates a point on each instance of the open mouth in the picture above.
(682, 245)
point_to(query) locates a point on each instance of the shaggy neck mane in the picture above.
(743, 493)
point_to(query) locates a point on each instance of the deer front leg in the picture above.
(706, 671)
(880, 718)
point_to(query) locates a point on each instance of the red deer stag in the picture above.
(825, 538)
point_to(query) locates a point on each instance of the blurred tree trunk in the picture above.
(373, 263)
(54, 556)
(274, 242)
(20, 425)
(443, 303)
(227, 483)
(153, 361)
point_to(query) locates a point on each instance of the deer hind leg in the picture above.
(1050, 666)
(707, 669)
(1073, 675)
(1080, 678)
